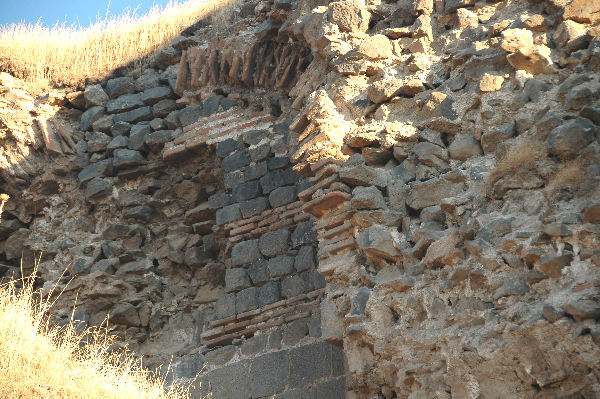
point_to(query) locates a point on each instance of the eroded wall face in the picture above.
(262, 335)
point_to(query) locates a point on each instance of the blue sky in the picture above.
(71, 11)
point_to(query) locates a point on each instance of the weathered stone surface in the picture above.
(237, 160)
(282, 196)
(584, 307)
(380, 241)
(362, 175)
(383, 90)
(167, 57)
(246, 300)
(274, 243)
(349, 16)
(98, 188)
(491, 139)
(280, 266)
(465, 147)
(124, 103)
(375, 47)
(432, 192)
(125, 158)
(584, 11)
(119, 86)
(269, 374)
(567, 140)
(155, 94)
(269, 293)
(444, 251)
(534, 60)
(293, 286)
(516, 39)
(97, 169)
(303, 368)
(552, 264)
(591, 213)
(245, 252)
(90, 116)
(367, 198)
(95, 96)
(236, 279)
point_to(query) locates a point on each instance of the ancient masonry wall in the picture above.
(264, 336)
(400, 204)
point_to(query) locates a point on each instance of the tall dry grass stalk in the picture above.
(41, 361)
(68, 55)
(522, 154)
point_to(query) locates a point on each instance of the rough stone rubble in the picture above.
(416, 183)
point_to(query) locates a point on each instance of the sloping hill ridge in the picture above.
(380, 200)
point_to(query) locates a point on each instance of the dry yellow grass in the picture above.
(40, 361)
(68, 55)
(522, 154)
(569, 175)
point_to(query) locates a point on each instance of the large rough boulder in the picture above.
(349, 15)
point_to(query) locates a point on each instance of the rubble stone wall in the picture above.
(411, 186)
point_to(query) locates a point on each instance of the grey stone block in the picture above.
(274, 341)
(156, 140)
(255, 171)
(274, 243)
(258, 272)
(228, 214)
(278, 163)
(303, 234)
(118, 86)
(98, 188)
(245, 191)
(236, 279)
(163, 108)
(231, 179)
(220, 356)
(255, 136)
(135, 115)
(253, 207)
(259, 152)
(90, 116)
(246, 300)
(226, 147)
(254, 345)
(245, 252)
(120, 129)
(314, 327)
(97, 169)
(211, 105)
(332, 389)
(309, 363)
(278, 178)
(190, 115)
(268, 374)
(281, 265)
(125, 158)
(318, 281)
(294, 332)
(155, 94)
(305, 259)
(269, 293)
(124, 103)
(219, 200)
(235, 161)
(140, 129)
(225, 306)
(338, 362)
(231, 382)
(293, 286)
(282, 196)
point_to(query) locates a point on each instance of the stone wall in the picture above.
(420, 192)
